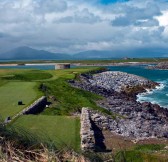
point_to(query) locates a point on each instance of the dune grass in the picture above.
(63, 131)
(144, 153)
(12, 92)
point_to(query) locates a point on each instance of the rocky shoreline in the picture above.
(136, 120)
(160, 66)
(113, 64)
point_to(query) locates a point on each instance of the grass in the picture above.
(63, 131)
(70, 99)
(12, 92)
(149, 147)
(98, 61)
(28, 75)
(143, 153)
(53, 125)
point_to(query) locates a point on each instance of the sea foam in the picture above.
(142, 97)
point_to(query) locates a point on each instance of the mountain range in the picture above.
(27, 53)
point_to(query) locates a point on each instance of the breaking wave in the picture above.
(153, 95)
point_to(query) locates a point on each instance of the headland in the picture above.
(136, 120)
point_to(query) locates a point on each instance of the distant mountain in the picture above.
(93, 54)
(120, 53)
(27, 53)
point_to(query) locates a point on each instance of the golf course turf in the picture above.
(12, 92)
(63, 131)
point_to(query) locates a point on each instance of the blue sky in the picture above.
(111, 1)
(71, 26)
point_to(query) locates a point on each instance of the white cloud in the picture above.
(50, 6)
(77, 25)
(163, 19)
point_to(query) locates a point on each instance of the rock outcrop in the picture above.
(160, 66)
(110, 83)
(136, 120)
(119, 81)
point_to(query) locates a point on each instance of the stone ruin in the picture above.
(87, 133)
(92, 124)
(37, 107)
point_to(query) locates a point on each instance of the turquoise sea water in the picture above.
(160, 94)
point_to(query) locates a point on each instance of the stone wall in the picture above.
(100, 120)
(87, 133)
(36, 107)
(92, 124)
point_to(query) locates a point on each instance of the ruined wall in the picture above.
(92, 125)
(100, 120)
(87, 133)
(36, 107)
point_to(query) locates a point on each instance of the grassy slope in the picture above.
(62, 130)
(12, 92)
(69, 99)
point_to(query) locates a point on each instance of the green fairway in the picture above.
(62, 130)
(12, 92)
(26, 75)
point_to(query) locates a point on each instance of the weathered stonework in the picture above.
(36, 107)
(100, 120)
(87, 133)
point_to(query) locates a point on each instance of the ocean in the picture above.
(156, 96)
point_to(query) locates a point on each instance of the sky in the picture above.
(71, 26)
